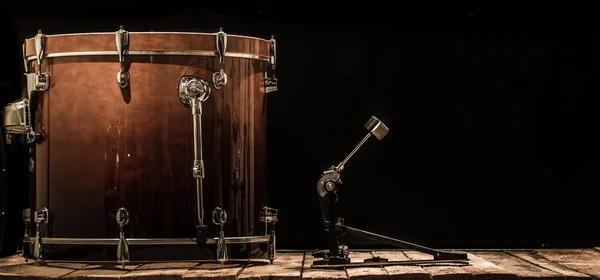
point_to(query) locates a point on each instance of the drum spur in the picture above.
(337, 256)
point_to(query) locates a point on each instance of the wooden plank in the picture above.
(100, 271)
(481, 269)
(522, 268)
(569, 255)
(320, 274)
(285, 266)
(12, 260)
(586, 261)
(449, 272)
(210, 271)
(372, 273)
(32, 271)
(401, 272)
(538, 260)
(166, 271)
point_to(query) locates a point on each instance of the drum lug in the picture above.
(220, 78)
(122, 247)
(25, 61)
(41, 218)
(268, 216)
(40, 48)
(31, 165)
(270, 83)
(220, 218)
(122, 44)
(27, 219)
(26, 215)
(38, 81)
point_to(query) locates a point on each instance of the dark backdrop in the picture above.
(492, 110)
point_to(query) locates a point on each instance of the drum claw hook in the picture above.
(219, 218)
(122, 45)
(122, 248)
(220, 78)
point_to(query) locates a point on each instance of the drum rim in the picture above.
(149, 32)
(153, 53)
(207, 53)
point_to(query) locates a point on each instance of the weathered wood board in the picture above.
(482, 269)
(215, 271)
(522, 268)
(538, 260)
(450, 272)
(285, 266)
(320, 274)
(580, 264)
(401, 272)
(366, 273)
(586, 261)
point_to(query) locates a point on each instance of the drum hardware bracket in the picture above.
(17, 115)
(219, 218)
(193, 91)
(17, 118)
(220, 78)
(122, 44)
(271, 82)
(122, 218)
(27, 219)
(26, 216)
(337, 255)
(267, 215)
(36, 82)
(25, 60)
(41, 218)
(39, 81)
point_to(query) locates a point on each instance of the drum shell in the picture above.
(105, 147)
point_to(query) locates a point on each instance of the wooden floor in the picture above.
(575, 264)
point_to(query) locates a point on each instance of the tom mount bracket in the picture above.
(338, 256)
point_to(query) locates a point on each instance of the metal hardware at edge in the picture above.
(269, 215)
(40, 44)
(219, 218)
(122, 218)
(193, 91)
(220, 78)
(155, 52)
(272, 52)
(146, 241)
(122, 44)
(34, 82)
(40, 218)
(270, 83)
(16, 117)
(25, 60)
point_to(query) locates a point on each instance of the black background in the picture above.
(493, 111)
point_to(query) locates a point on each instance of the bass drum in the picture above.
(114, 129)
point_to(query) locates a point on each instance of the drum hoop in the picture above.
(154, 52)
(153, 32)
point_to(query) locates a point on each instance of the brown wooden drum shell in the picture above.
(107, 147)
